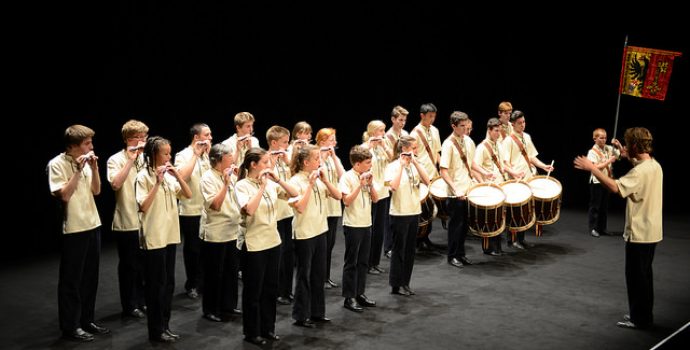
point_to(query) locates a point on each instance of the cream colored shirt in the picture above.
(334, 208)
(506, 129)
(80, 211)
(396, 137)
(192, 206)
(282, 170)
(514, 157)
(607, 152)
(160, 224)
(232, 142)
(312, 221)
(433, 139)
(358, 213)
(482, 157)
(451, 160)
(642, 187)
(224, 224)
(404, 200)
(126, 217)
(259, 231)
(379, 161)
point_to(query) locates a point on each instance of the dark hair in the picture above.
(196, 129)
(76, 134)
(359, 154)
(638, 140)
(253, 154)
(516, 115)
(298, 158)
(152, 147)
(427, 107)
(493, 122)
(457, 116)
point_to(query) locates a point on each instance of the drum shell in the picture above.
(547, 209)
(519, 215)
(486, 220)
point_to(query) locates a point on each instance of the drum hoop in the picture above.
(550, 179)
(437, 178)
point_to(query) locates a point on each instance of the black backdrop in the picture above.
(173, 65)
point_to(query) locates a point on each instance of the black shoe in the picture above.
(291, 297)
(444, 223)
(255, 340)
(271, 336)
(465, 260)
(283, 301)
(78, 335)
(408, 290)
(627, 324)
(323, 319)
(333, 284)
(517, 245)
(398, 291)
(193, 294)
(351, 304)
(213, 317)
(373, 271)
(304, 323)
(170, 333)
(526, 244)
(626, 317)
(388, 254)
(364, 301)
(455, 262)
(163, 338)
(493, 253)
(379, 269)
(95, 329)
(136, 313)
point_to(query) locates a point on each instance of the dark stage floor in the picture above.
(566, 292)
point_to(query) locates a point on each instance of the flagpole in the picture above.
(620, 89)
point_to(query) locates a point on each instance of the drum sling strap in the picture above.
(426, 146)
(391, 138)
(523, 151)
(495, 158)
(601, 156)
(462, 154)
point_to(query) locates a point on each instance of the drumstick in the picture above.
(549, 172)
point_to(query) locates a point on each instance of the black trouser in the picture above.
(357, 244)
(286, 270)
(380, 224)
(640, 281)
(330, 242)
(520, 236)
(191, 250)
(402, 258)
(159, 271)
(598, 207)
(78, 279)
(457, 228)
(260, 280)
(494, 245)
(311, 276)
(221, 262)
(130, 270)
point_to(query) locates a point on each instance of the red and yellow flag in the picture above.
(646, 72)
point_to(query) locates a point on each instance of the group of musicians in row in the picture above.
(267, 211)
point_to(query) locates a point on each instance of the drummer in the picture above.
(488, 162)
(521, 154)
(457, 155)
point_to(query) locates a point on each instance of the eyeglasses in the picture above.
(143, 138)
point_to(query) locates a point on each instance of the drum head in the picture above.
(546, 188)
(486, 195)
(440, 189)
(423, 192)
(516, 192)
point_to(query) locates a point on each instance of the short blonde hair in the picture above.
(505, 106)
(276, 132)
(597, 132)
(133, 127)
(399, 111)
(243, 117)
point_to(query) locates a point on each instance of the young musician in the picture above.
(157, 188)
(191, 163)
(73, 178)
(603, 156)
(243, 139)
(123, 167)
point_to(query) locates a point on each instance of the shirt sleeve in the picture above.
(629, 184)
(57, 179)
(446, 155)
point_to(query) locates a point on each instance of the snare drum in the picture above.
(428, 208)
(547, 198)
(519, 205)
(439, 191)
(486, 213)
